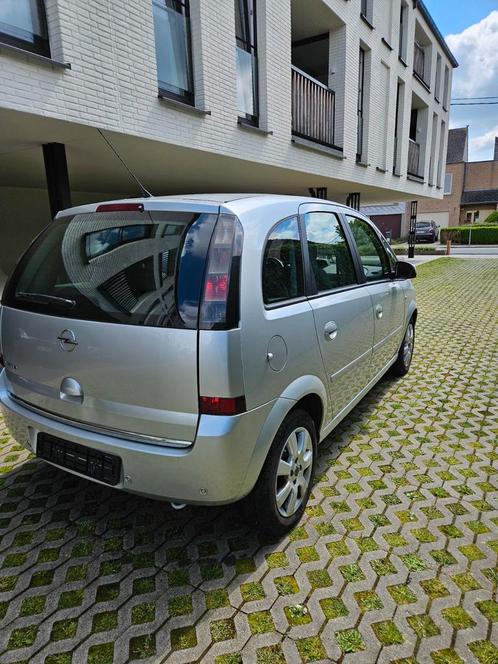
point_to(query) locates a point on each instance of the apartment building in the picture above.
(470, 187)
(348, 99)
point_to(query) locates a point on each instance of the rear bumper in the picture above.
(212, 470)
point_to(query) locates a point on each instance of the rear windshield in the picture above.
(135, 268)
(423, 224)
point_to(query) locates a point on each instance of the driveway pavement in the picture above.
(395, 560)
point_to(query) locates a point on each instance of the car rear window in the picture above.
(134, 268)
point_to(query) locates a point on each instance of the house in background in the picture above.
(470, 187)
(349, 99)
(390, 219)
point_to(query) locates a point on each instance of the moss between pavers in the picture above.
(105, 621)
(144, 585)
(178, 577)
(277, 559)
(270, 655)
(368, 600)
(395, 539)
(423, 625)
(245, 566)
(252, 591)
(387, 633)
(311, 649)
(319, 578)
(33, 605)
(43, 578)
(413, 562)
(446, 656)
(22, 637)
(484, 651)
(143, 613)
(402, 594)
(59, 658)
(64, 629)
(107, 592)
(76, 573)
(183, 638)
(383, 567)
(229, 658)
(443, 557)
(217, 598)
(352, 572)
(472, 552)
(222, 630)
(458, 617)
(71, 598)
(142, 647)
(350, 640)
(434, 588)
(14, 560)
(489, 608)
(307, 554)
(333, 607)
(260, 622)
(286, 585)
(297, 614)
(465, 581)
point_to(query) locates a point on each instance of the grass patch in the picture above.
(350, 640)
(402, 594)
(146, 584)
(387, 633)
(102, 653)
(64, 629)
(105, 621)
(252, 591)
(143, 613)
(307, 554)
(23, 637)
(319, 578)
(423, 626)
(107, 592)
(333, 607)
(277, 559)
(183, 638)
(446, 656)
(33, 605)
(223, 630)
(352, 572)
(434, 588)
(217, 598)
(311, 649)
(260, 622)
(484, 651)
(465, 581)
(180, 606)
(142, 647)
(457, 617)
(297, 614)
(270, 655)
(70, 598)
(286, 585)
(489, 608)
(368, 600)
(245, 566)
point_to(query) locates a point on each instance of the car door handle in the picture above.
(379, 311)
(330, 330)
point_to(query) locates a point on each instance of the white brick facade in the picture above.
(112, 84)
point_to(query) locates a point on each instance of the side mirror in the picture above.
(405, 270)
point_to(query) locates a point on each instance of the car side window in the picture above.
(283, 277)
(330, 258)
(373, 257)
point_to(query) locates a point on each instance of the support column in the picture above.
(59, 191)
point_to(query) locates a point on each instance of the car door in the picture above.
(387, 294)
(341, 306)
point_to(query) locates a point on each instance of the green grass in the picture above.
(286, 585)
(484, 651)
(270, 655)
(489, 608)
(311, 649)
(333, 607)
(33, 605)
(217, 598)
(277, 559)
(142, 647)
(352, 572)
(260, 622)
(143, 613)
(102, 653)
(252, 591)
(64, 629)
(105, 621)
(350, 640)
(71, 598)
(423, 625)
(223, 630)
(368, 600)
(22, 637)
(183, 638)
(297, 614)
(319, 578)
(458, 617)
(402, 594)
(144, 585)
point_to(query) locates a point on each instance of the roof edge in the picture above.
(425, 13)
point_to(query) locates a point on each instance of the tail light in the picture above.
(219, 308)
(120, 207)
(221, 405)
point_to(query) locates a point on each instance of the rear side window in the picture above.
(372, 255)
(135, 268)
(283, 263)
(330, 258)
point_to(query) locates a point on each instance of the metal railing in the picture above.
(413, 158)
(313, 109)
(419, 61)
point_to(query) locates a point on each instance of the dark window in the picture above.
(361, 94)
(283, 263)
(23, 24)
(117, 268)
(172, 35)
(330, 258)
(247, 60)
(373, 257)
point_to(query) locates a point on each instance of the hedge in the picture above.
(480, 234)
(492, 218)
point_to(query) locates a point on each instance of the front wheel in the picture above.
(279, 498)
(405, 354)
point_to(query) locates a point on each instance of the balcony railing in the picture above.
(313, 109)
(413, 158)
(419, 61)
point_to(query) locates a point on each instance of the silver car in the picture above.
(198, 348)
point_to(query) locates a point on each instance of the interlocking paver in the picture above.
(394, 561)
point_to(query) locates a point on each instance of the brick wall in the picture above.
(450, 203)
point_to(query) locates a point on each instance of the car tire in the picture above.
(295, 444)
(402, 365)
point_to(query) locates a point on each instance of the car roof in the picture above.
(234, 203)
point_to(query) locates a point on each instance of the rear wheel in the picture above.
(404, 359)
(279, 498)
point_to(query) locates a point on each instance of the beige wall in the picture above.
(481, 175)
(450, 204)
(484, 211)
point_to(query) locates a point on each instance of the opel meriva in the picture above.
(198, 348)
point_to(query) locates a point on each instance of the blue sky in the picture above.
(471, 30)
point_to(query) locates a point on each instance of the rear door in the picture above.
(341, 306)
(386, 293)
(100, 321)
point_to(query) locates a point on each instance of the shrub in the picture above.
(492, 218)
(478, 234)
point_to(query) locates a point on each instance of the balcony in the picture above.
(313, 109)
(413, 159)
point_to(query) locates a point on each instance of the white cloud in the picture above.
(476, 49)
(484, 141)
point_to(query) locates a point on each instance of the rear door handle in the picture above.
(330, 330)
(379, 311)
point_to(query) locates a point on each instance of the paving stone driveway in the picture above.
(395, 561)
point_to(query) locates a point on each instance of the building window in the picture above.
(448, 183)
(437, 85)
(360, 109)
(366, 10)
(23, 24)
(247, 60)
(403, 28)
(174, 63)
(446, 87)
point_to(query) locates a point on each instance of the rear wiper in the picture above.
(42, 298)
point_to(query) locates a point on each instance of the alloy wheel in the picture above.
(294, 472)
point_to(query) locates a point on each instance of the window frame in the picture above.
(189, 96)
(250, 47)
(312, 289)
(40, 44)
(378, 234)
(294, 300)
(450, 176)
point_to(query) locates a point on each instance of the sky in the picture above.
(470, 28)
